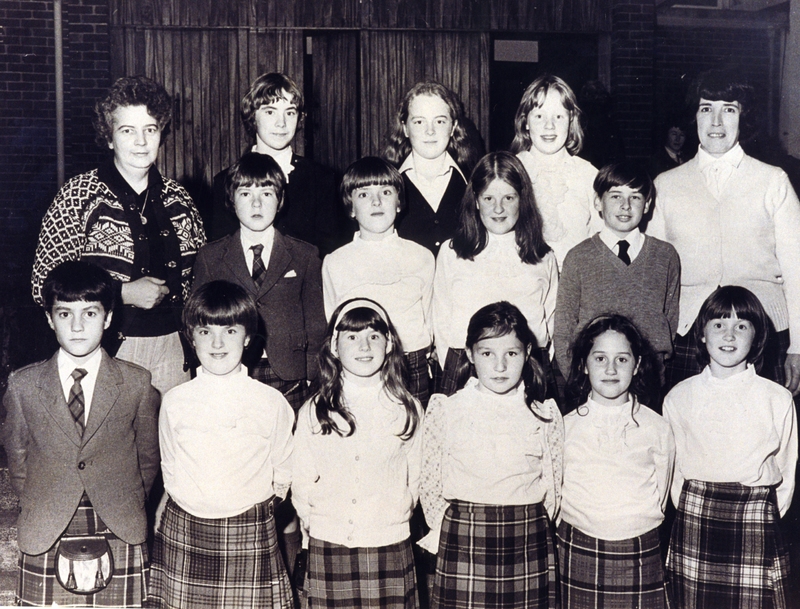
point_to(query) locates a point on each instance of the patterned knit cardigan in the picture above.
(88, 220)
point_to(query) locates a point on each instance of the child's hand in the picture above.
(144, 293)
(792, 369)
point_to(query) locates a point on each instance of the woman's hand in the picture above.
(145, 292)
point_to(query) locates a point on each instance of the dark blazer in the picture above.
(289, 300)
(51, 466)
(311, 212)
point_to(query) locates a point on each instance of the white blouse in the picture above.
(358, 490)
(617, 470)
(461, 287)
(739, 429)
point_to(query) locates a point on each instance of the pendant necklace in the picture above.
(141, 212)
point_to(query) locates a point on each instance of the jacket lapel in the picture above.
(233, 258)
(106, 394)
(279, 261)
(51, 395)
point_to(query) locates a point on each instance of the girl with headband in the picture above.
(356, 466)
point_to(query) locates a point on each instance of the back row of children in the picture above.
(494, 465)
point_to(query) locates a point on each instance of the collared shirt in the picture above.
(283, 158)
(357, 490)
(395, 272)
(433, 190)
(717, 170)
(267, 239)
(617, 470)
(739, 429)
(226, 444)
(635, 239)
(66, 366)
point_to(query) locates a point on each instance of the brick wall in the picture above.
(632, 35)
(682, 53)
(28, 137)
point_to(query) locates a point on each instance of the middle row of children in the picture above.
(491, 463)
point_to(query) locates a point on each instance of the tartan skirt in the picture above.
(295, 392)
(419, 378)
(342, 577)
(597, 573)
(218, 562)
(37, 585)
(495, 556)
(726, 549)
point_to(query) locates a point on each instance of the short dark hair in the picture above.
(220, 303)
(78, 281)
(370, 171)
(266, 89)
(727, 85)
(254, 169)
(724, 303)
(130, 91)
(625, 173)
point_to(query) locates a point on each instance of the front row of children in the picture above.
(494, 465)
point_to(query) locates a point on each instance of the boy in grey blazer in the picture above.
(82, 442)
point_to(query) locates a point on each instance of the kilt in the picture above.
(495, 556)
(597, 573)
(684, 363)
(448, 382)
(221, 562)
(419, 378)
(37, 585)
(726, 549)
(344, 577)
(295, 392)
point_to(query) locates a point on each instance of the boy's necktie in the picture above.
(258, 265)
(76, 399)
(622, 252)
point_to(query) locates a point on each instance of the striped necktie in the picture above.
(76, 402)
(258, 265)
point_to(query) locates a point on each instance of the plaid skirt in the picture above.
(38, 586)
(295, 392)
(726, 549)
(221, 562)
(597, 573)
(419, 378)
(344, 577)
(495, 556)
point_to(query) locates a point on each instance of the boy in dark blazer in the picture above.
(81, 436)
(282, 274)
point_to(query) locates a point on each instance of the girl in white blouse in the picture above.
(618, 458)
(548, 138)
(498, 253)
(491, 480)
(356, 466)
(736, 453)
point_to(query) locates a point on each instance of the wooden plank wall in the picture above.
(364, 56)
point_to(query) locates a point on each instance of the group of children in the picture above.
(432, 381)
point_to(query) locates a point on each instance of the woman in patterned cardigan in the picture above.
(142, 228)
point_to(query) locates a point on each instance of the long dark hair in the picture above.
(329, 398)
(501, 319)
(645, 385)
(460, 147)
(471, 236)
